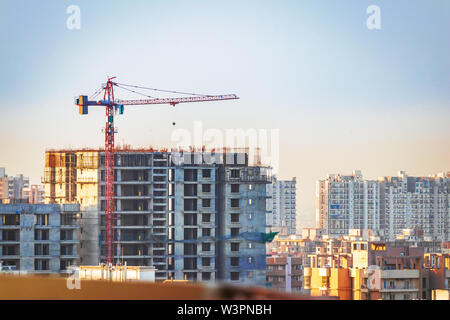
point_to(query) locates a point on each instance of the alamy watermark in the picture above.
(373, 22)
(261, 145)
(73, 22)
(373, 277)
(73, 281)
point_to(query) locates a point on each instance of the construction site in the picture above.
(200, 221)
(167, 216)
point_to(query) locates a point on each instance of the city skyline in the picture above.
(344, 97)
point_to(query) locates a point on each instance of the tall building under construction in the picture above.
(196, 215)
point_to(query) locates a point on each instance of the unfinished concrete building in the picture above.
(39, 238)
(194, 215)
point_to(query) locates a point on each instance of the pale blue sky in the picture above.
(344, 97)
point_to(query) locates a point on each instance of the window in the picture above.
(206, 232)
(250, 201)
(190, 204)
(190, 234)
(190, 249)
(44, 235)
(206, 187)
(206, 217)
(190, 174)
(190, 219)
(250, 187)
(235, 217)
(206, 246)
(206, 173)
(41, 219)
(234, 232)
(190, 190)
(235, 203)
(206, 203)
(250, 260)
(42, 249)
(206, 262)
(234, 276)
(234, 246)
(234, 188)
(235, 173)
(40, 264)
(206, 276)
(190, 263)
(234, 261)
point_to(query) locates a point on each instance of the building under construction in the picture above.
(39, 238)
(192, 215)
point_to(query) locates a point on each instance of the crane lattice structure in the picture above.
(112, 105)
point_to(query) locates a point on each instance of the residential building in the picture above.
(284, 273)
(375, 270)
(16, 187)
(197, 215)
(39, 238)
(294, 246)
(416, 203)
(386, 206)
(34, 194)
(328, 282)
(312, 233)
(347, 202)
(281, 206)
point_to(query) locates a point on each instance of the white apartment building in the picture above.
(416, 203)
(281, 206)
(386, 206)
(347, 202)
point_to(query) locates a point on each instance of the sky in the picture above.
(343, 97)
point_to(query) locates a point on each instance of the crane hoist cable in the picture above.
(142, 94)
(96, 93)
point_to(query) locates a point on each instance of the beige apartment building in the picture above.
(284, 273)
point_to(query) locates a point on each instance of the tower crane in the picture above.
(111, 105)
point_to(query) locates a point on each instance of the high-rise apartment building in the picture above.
(281, 206)
(345, 202)
(197, 215)
(16, 187)
(385, 206)
(416, 203)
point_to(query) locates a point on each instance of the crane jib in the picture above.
(176, 100)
